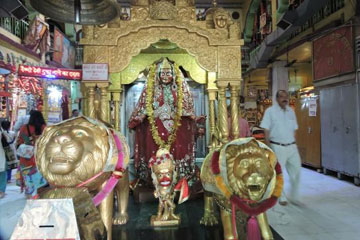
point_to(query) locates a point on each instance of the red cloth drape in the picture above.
(182, 149)
(164, 104)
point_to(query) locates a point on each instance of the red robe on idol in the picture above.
(164, 106)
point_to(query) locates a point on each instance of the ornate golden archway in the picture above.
(215, 43)
(145, 59)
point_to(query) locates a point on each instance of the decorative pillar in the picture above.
(116, 99)
(104, 102)
(84, 100)
(90, 101)
(223, 116)
(212, 116)
(212, 124)
(234, 99)
(70, 105)
(212, 91)
(67, 86)
(280, 78)
(45, 107)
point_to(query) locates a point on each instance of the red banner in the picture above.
(333, 54)
(44, 72)
(5, 94)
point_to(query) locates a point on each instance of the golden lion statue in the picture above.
(244, 179)
(83, 152)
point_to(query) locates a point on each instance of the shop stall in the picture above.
(26, 94)
(6, 72)
(15, 92)
(5, 97)
(46, 89)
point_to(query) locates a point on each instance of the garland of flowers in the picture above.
(150, 109)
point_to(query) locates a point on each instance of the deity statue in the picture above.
(244, 178)
(85, 153)
(164, 117)
(164, 175)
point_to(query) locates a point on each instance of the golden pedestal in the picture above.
(164, 223)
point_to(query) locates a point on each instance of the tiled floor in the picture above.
(139, 228)
(331, 211)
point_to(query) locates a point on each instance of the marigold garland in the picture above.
(150, 109)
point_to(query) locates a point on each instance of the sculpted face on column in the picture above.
(221, 18)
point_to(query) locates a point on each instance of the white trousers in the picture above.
(289, 159)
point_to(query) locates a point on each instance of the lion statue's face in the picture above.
(72, 151)
(251, 169)
(253, 175)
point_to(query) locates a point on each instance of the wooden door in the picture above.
(313, 153)
(301, 135)
(308, 134)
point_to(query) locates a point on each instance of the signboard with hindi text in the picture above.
(95, 72)
(44, 72)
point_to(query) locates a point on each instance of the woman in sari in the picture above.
(30, 178)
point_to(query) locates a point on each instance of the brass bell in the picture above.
(84, 12)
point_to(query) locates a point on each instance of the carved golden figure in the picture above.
(82, 152)
(164, 117)
(221, 18)
(243, 175)
(164, 175)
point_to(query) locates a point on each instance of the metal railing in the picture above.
(14, 26)
(331, 7)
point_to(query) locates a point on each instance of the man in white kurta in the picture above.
(280, 125)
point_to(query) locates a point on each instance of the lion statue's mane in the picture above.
(91, 163)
